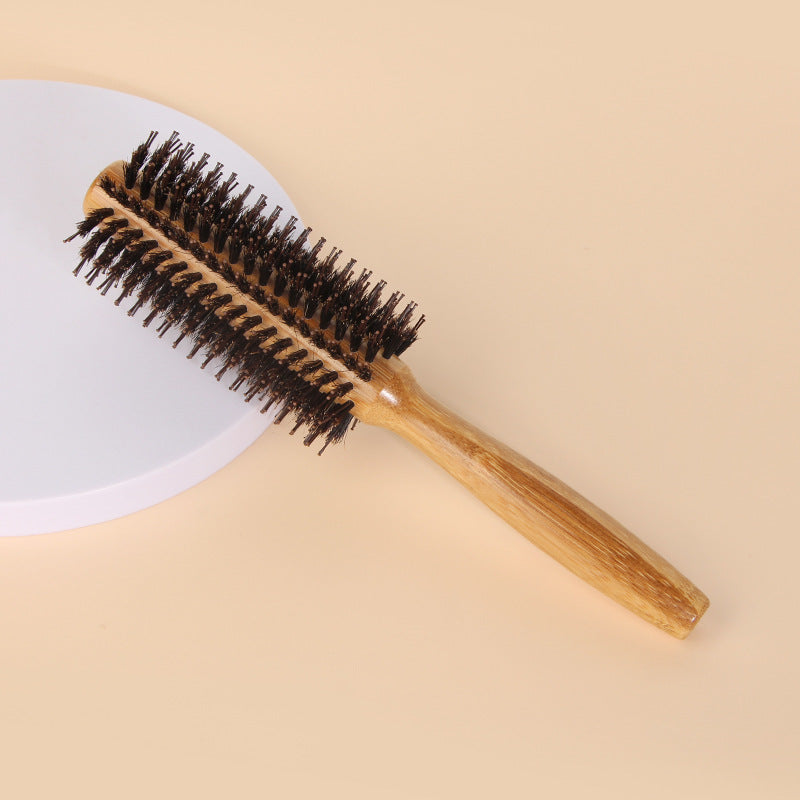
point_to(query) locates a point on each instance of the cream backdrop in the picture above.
(596, 205)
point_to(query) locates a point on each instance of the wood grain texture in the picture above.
(554, 517)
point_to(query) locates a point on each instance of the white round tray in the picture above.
(99, 417)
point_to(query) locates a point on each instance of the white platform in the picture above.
(99, 417)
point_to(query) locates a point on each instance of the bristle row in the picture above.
(220, 331)
(222, 267)
(205, 206)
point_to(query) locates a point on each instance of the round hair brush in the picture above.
(293, 327)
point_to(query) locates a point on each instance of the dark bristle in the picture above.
(137, 159)
(204, 213)
(155, 163)
(98, 238)
(90, 222)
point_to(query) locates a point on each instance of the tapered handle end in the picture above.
(682, 623)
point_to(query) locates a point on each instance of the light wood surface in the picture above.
(543, 509)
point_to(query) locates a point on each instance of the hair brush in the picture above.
(295, 328)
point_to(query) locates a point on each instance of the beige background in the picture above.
(597, 206)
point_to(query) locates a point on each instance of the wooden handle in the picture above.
(554, 517)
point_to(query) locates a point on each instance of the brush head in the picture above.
(255, 297)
